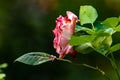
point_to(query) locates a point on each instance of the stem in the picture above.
(86, 65)
(95, 68)
(112, 60)
(93, 28)
(64, 60)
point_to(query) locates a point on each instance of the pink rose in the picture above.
(65, 28)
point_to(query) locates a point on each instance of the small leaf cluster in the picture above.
(2, 75)
(93, 35)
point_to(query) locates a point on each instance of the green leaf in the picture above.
(104, 32)
(111, 22)
(87, 30)
(102, 44)
(35, 58)
(108, 41)
(87, 14)
(115, 47)
(2, 75)
(77, 40)
(4, 65)
(77, 28)
(109, 31)
(84, 48)
(98, 26)
(119, 18)
(117, 28)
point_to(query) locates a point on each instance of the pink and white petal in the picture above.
(71, 15)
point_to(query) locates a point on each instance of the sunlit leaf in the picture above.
(87, 14)
(2, 75)
(117, 28)
(111, 22)
(4, 65)
(35, 58)
(109, 31)
(77, 40)
(115, 47)
(108, 41)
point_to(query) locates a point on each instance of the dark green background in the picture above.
(26, 26)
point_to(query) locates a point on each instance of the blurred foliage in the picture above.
(26, 26)
(2, 75)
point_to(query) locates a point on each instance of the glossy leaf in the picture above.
(111, 22)
(109, 31)
(35, 58)
(87, 14)
(77, 40)
(115, 47)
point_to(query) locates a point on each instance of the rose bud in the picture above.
(65, 28)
